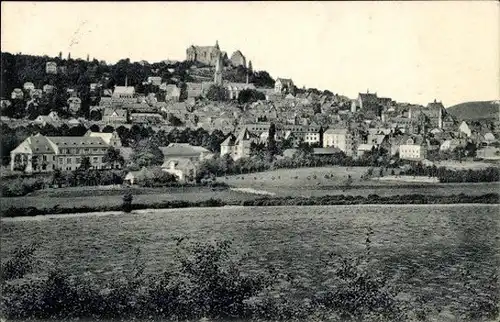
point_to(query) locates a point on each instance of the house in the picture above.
(283, 85)
(51, 119)
(183, 168)
(234, 89)
(51, 67)
(238, 147)
(449, 145)
(111, 139)
(413, 149)
(133, 177)
(197, 89)
(172, 93)
(340, 138)
(48, 89)
(123, 92)
(28, 86)
(17, 94)
(488, 153)
(40, 153)
(186, 151)
(237, 59)
(74, 104)
(114, 115)
(465, 129)
(94, 87)
(146, 118)
(364, 148)
(154, 80)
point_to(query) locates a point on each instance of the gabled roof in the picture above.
(129, 90)
(182, 149)
(106, 137)
(78, 141)
(180, 163)
(120, 112)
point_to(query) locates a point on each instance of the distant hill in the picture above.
(472, 111)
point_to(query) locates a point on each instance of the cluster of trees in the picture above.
(491, 174)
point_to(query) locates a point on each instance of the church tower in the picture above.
(217, 44)
(218, 70)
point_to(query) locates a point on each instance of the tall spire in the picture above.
(218, 70)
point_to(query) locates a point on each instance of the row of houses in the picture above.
(353, 141)
(39, 153)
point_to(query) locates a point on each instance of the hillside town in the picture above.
(239, 110)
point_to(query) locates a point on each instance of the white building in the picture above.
(184, 169)
(412, 151)
(464, 128)
(339, 138)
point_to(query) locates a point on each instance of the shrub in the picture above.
(127, 201)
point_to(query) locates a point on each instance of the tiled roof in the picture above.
(77, 141)
(185, 149)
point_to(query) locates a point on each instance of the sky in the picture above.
(410, 51)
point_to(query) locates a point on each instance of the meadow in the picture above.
(442, 257)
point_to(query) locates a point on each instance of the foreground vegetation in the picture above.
(206, 280)
(491, 198)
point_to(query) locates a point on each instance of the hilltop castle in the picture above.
(209, 54)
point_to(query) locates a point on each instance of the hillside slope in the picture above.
(481, 110)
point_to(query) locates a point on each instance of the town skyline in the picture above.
(369, 52)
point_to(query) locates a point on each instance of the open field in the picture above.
(308, 182)
(424, 249)
(303, 182)
(93, 196)
(300, 177)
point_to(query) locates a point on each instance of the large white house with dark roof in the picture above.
(39, 153)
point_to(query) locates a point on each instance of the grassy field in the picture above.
(302, 182)
(424, 249)
(93, 196)
(308, 182)
(301, 177)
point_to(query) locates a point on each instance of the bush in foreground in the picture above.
(205, 281)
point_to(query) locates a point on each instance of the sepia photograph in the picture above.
(243, 161)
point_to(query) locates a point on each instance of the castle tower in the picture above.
(218, 70)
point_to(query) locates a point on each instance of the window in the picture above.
(44, 158)
(95, 150)
(53, 158)
(77, 151)
(95, 159)
(78, 160)
(61, 160)
(68, 160)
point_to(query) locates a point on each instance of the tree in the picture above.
(271, 143)
(250, 96)
(85, 164)
(127, 201)
(113, 157)
(146, 154)
(108, 129)
(217, 93)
